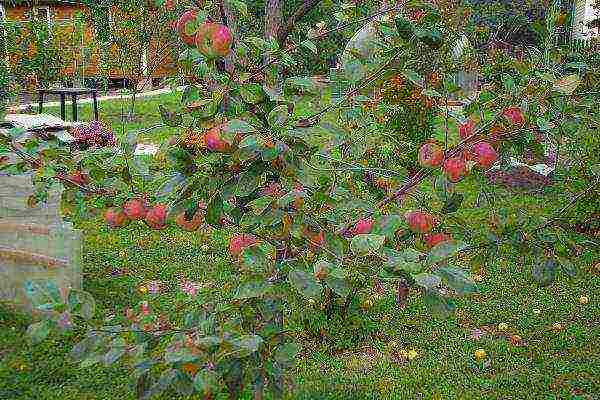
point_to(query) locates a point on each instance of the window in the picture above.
(44, 14)
(584, 15)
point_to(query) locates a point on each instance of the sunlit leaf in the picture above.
(428, 281)
(457, 279)
(444, 251)
(567, 84)
(305, 283)
(366, 244)
(38, 331)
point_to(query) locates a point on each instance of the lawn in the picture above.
(557, 357)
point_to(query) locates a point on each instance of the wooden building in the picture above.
(586, 19)
(82, 55)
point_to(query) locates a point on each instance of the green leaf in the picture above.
(44, 295)
(310, 46)
(179, 354)
(458, 280)
(252, 93)
(164, 382)
(405, 27)
(366, 244)
(206, 382)
(568, 267)
(567, 85)
(258, 42)
(407, 260)
(444, 251)
(428, 281)
(286, 353)
(170, 118)
(236, 126)
(248, 182)
(259, 205)
(440, 306)
(83, 349)
(249, 343)
(543, 124)
(452, 204)
(171, 185)
(508, 82)
(306, 284)
(214, 211)
(387, 225)
(278, 116)
(259, 258)
(250, 141)
(81, 303)
(544, 271)
(340, 286)
(302, 84)
(38, 331)
(92, 359)
(116, 351)
(431, 37)
(414, 77)
(252, 289)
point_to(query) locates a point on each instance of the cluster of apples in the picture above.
(211, 39)
(481, 154)
(155, 217)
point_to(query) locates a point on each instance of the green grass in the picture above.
(112, 111)
(550, 364)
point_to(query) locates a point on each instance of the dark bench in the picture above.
(73, 92)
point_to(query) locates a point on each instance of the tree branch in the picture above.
(284, 31)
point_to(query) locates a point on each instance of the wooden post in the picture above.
(63, 111)
(41, 100)
(74, 105)
(95, 97)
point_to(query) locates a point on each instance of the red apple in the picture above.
(431, 155)
(214, 142)
(193, 224)
(213, 40)
(115, 218)
(467, 129)
(135, 209)
(156, 218)
(455, 169)
(433, 239)
(514, 115)
(420, 221)
(316, 240)
(484, 154)
(182, 27)
(80, 178)
(240, 242)
(363, 226)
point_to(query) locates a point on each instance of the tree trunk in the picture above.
(305, 8)
(273, 14)
(228, 18)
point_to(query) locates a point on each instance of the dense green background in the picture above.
(357, 362)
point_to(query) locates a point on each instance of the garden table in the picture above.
(73, 93)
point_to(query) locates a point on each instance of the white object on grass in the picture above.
(145, 149)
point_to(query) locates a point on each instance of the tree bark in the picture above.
(228, 18)
(273, 14)
(284, 31)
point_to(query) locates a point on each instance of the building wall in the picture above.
(583, 13)
(61, 18)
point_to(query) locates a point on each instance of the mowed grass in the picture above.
(358, 361)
